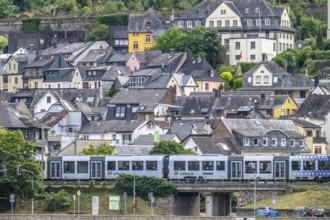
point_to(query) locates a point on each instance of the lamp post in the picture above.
(134, 203)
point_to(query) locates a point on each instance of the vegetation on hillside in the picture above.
(170, 147)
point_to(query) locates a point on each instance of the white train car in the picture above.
(309, 167)
(258, 166)
(138, 165)
(198, 167)
(76, 167)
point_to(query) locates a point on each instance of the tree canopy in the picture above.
(3, 42)
(5, 8)
(103, 149)
(170, 147)
(202, 42)
(14, 151)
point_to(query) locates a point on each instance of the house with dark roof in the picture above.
(114, 58)
(315, 109)
(202, 72)
(312, 132)
(140, 104)
(209, 145)
(31, 42)
(14, 67)
(115, 132)
(143, 30)
(169, 62)
(139, 60)
(92, 57)
(59, 74)
(269, 106)
(262, 137)
(269, 76)
(252, 31)
(118, 37)
(63, 128)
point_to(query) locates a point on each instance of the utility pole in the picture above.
(134, 202)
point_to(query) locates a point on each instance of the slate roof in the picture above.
(42, 62)
(134, 150)
(195, 106)
(315, 106)
(158, 81)
(138, 22)
(212, 145)
(12, 118)
(118, 126)
(147, 56)
(207, 7)
(93, 56)
(51, 118)
(146, 98)
(185, 128)
(149, 139)
(303, 123)
(114, 71)
(65, 48)
(17, 40)
(167, 60)
(254, 128)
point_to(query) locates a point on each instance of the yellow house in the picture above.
(315, 143)
(12, 79)
(143, 30)
(288, 108)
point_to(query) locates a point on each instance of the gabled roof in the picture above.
(303, 123)
(202, 10)
(139, 22)
(133, 149)
(185, 128)
(164, 60)
(51, 118)
(315, 106)
(42, 62)
(114, 71)
(93, 56)
(272, 66)
(12, 118)
(118, 126)
(212, 145)
(146, 98)
(255, 128)
(147, 56)
(158, 81)
(65, 48)
(195, 106)
(182, 79)
(149, 139)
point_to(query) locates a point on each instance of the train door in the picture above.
(55, 169)
(236, 169)
(279, 170)
(96, 169)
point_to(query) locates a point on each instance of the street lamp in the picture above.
(255, 194)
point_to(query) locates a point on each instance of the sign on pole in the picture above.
(114, 202)
(274, 199)
(95, 205)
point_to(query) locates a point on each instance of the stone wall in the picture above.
(247, 197)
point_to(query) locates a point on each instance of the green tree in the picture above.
(173, 38)
(58, 201)
(170, 147)
(14, 151)
(103, 149)
(111, 91)
(98, 32)
(3, 42)
(143, 184)
(5, 9)
(238, 83)
(319, 40)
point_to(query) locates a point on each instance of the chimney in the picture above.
(256, 105)
(199, 59)
(172, 17)
(212, 73)
(262, 96)
(316, 81)
(172, 52)
(63, 113)
(285, 68)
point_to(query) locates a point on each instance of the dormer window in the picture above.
(249, 22)
(148, 24)
(247, 10)
(258, 22)
(180, 24)
(267, 21)
(257, 10)
(189, 24)
(198, 23)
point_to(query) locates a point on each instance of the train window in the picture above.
(324, 165)
(309, 165)
(151, 165)
(250, 166)
(220, 165)
(82, 167)
(123, 165)
(68, 166)
(208, 165)
(295, 165)
(265, 167)
(179, 165)
(193, 165)
(137, 165)
(111, 165)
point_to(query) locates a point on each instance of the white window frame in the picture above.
(283, 142)
(189, 24)
(265, 141)
(198, 23)
(249, 22)
(292, 142)
(267, 22)
(246, 141)
(180, 24)
(274, 142)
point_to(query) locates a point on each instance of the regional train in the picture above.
(181, 167)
